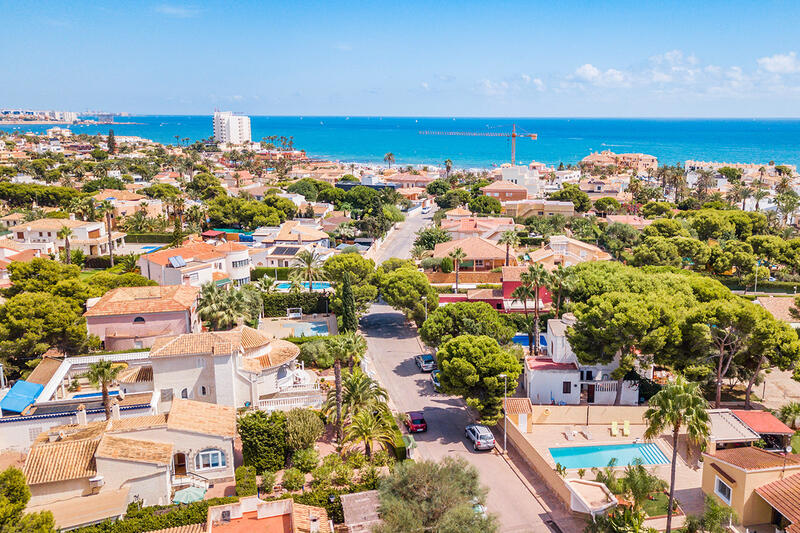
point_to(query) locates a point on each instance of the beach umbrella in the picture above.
(189, 495)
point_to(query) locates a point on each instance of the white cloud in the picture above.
(493, 88)
(608, 78)
(780, 63)
(182, 12)
(539, 84)
(425, 86)
(526, 78)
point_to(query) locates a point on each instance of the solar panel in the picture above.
(285, 250)
(177, 261)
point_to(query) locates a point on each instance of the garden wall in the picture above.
(464, 277)
(587, 414)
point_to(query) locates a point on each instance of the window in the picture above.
(723, 490)
(166, 395)
(185, 394)
(566, 387)
(201, 363)
(239, 264)
(203, 390)
(209, 459)
(138, 320)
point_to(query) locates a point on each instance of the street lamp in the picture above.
(505, 415)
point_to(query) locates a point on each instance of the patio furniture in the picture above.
(587, 433)
(626, 428)
(569, 433)
(614, 429)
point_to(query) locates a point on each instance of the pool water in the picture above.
(316, 286)
(599, 456)
(95, 394)
(522, 340)
(308, 329)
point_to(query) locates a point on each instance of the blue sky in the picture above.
(432, 58)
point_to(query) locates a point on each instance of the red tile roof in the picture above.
(784, 496)
(763, 422)
(141, 300)
(752, 458)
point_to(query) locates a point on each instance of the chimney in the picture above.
(82, 415)
(115, 409)
(313, 521)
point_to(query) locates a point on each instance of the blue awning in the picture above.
(21, 395)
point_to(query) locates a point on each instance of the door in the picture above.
(179, 464)
(590, 394)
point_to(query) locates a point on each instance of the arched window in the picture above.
(185, 394)
(211, 458)
(203, 390)
(138, 320)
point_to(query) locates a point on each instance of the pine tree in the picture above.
(111, 143)
(349, 319)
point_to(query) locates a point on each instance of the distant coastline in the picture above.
(63, 123)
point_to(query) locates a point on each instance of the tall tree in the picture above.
(511, 239)
(14, 497)
(679, 404)
(102, 374)
(369, 427)
(349, 318)
(523, 293)
(345, 347)
(537, 278)
(448, 166)
(111, 143)
(106, 210)
(308, 265)
(457, 256)
(389, 158)
(559, 282)
(65, 233)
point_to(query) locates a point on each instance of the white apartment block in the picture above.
(230, 128)
(89, 237)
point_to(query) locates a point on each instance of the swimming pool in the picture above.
(522, 340)
(95, 394)
(308, 329)
(599, 456)
(317, 286)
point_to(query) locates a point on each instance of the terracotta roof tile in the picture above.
(118, 195)
(51, 224)
(213, 342)
(190, 528)
(136, 374)
(515, 406)
(143, 300)
(301, 518)
(138, 422)
(535, 363)
(202, 417)
(751, 458)
(504, 186)
(194, 251)
(763, 422)
(61, 461)
(784, 496)
(140, 451)
(44, 370)
(474, 248)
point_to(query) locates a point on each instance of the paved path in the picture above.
(391, 348)
(399, 243)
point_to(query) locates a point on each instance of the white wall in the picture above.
(541, 384)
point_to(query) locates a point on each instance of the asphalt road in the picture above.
(392, 346)
(399, 243)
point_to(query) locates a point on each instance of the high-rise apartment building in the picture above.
(230, 128)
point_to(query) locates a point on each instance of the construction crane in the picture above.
(513, 135)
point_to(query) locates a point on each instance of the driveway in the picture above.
(391, 348)
(399, 243)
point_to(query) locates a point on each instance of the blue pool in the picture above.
(95, 394)
(317, 286)
(308, 329)
(522, 340)
(599, 456)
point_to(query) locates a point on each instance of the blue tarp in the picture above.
(21, 395)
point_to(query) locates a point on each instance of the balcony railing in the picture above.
(299, 387)
(290, 402)
(190, 479)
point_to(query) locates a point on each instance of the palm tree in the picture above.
(789, 414)
(448, 166)
(419, 252)
(65, 233)
(128, 263)
(106, 209)
(102, 374)
(745, 193)
(369, 427)
(560, 281)
(457, 256)
(511, 240)
(359, 392)
(640, 484)
(308, 265)
(83, 207)
(537, 277)
(677, 405)
(266, 285)
(523, 293)
(759, 194)
(389, 158)
(347, 346)
(705, 178)
(221, 309)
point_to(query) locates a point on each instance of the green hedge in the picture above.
(97, 261)
(246, 481)
(259, 272)
(150, 237)
(157, 517)
(311, 302)
(319, 498)
(398, 444)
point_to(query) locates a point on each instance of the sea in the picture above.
(362, 139)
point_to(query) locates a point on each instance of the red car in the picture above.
(415, 422)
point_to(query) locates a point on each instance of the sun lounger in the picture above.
(569, 433)
(614, 429)
(587, 433)
(626, 428)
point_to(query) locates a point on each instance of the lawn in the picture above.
(657, 506)
(86, 274)
(795, 443)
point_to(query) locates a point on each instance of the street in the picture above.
(399, 243)
(391, 348)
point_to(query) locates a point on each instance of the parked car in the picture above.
(481, 437)
(415, 422)
(426, 210)
(425, 362)
(437, 384)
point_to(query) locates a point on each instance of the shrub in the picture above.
(321, 476)
(97, 261)
(158, 238)
(293, 479)
(315, 352)
(277, 303)
(306, 459)
(259, 272)
(246, 481)
(431, 263)
(381, 458)
(303, 428)
(268, 481)
(356, 459)
(446, 265)
(263, 440)
(342, 474)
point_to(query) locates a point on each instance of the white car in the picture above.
(481, 437)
